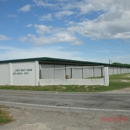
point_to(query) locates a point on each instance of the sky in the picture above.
(88, 30)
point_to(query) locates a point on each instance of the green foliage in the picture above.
(120, 64)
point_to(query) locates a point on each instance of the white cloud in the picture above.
(86, 6)
(70, 23)
(56, 52)
(12, 15)
(25, 8)
(29, 25)
(55, 38)
(112, 24)
(41, 3)
(23, 39)
(47, 17)
(50, 35)
(63, 13)
(41, 29)
(4, 38)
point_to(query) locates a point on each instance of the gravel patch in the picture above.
(35, 126)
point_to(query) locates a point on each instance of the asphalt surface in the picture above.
(79, 101)
(66, 111)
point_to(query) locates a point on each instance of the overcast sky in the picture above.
(91, 30)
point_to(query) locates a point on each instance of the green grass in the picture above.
(112, 86)
(56, 88)
(4, 116)
(116, 82)
(120, 77)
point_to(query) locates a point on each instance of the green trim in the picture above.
(47, 59)
(60, 60)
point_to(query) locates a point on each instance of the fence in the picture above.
(118, 70)
(75, 72)
(73, 75)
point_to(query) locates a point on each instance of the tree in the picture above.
(120, 64)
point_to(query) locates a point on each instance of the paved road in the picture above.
(90, 101)
(66, 111)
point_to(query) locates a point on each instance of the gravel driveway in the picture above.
(32, 119)
(125, 90)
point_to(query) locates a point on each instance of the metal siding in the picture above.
(110, 70)
(97, 71)
(119, 70)
(115, 71)
(47, 71)
(4, 74)
(59, 72)
(69, 70)
(87, 72)
(77, 73)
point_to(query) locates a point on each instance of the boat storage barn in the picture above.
(54, 71)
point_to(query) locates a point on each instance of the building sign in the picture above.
(22, 71)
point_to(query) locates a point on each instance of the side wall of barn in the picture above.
(21, 73)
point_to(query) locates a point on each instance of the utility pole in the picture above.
(110, 61)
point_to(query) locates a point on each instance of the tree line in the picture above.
(120, 64)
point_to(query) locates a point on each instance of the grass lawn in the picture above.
(116, 82)
(4, 115)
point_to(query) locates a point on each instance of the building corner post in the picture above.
(10, 73)
(106, 76)
(36, 73)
